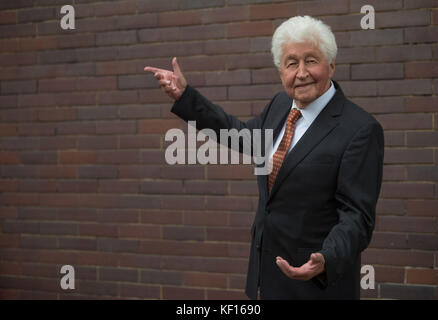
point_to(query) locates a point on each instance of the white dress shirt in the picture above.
(309, 114)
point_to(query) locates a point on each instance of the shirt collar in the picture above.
(311, 111)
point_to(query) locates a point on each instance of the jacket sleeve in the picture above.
(358, 188)
(192, 106)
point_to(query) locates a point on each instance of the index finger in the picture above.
(153, 70)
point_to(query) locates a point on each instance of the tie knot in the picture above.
(294, 115)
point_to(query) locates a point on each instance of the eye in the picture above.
(311, 61)
(291, 64)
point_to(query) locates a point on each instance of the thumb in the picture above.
(176, 68)
(316, 257)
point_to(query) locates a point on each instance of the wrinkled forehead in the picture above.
(299, 50)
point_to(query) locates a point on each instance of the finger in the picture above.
(176, 68)
(153, 70)
(164, 82)
(316, 258)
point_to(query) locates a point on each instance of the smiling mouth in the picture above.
(304, 85)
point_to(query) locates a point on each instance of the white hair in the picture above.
(304, 29)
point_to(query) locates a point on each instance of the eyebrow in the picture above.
(306, 55)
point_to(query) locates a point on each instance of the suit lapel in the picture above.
(325, 122)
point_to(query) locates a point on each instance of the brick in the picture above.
(410, 4)
(404, 52)
(118, 37)
(18, 87)
(116, 8)
(389, 274)
(421, 34)
(77, 157)
(227, 14)
(377, 71)
(422, 276)
(394, 291)
(183, 233)
(53, 171)
(245, 29)
(402, 18)
(375, 37)
(395, 156)
(202, 32)
(37, 186)
(422, 139)
(423, 173)
(154, 6)
(140, 232)
(8, 45)
(421, 69)
(115, 186)
(227, 78)
(319, 7)
(161, 277)
(77, 244)
(37, 14)
(8, 157)
(139, 141)
(47, 143)
(423, 242)
(82, 186)
(161, 217)
(118, 274)
(424, 208)
(228, 234)
(22, 58)
(8, 129)
(253, 92)
(139, 111)
(405, 224)
(205, 280)
(214, 218)
(356, 5)
(359, 88)
(421, 104)
(116, 127)
(98, 230)
(139, 171)
(271, 11)
(180, 18)
(188, 294)
(8, 101)
(398, 258)
(356, 55)
(404, 87)
(161, 187)
(140, 291)
(228, 203)
(407, 190)
(395, 138)
(8, 17)
(74, 128)
(405, 121)
(188, 203)
(227, 46)
(18, 30)
(95, 171)
(102, 142)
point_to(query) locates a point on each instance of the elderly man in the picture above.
(316, 209)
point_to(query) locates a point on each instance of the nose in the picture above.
(302, 72)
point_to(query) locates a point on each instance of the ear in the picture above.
(331, 69)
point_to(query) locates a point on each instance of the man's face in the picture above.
(304, 72)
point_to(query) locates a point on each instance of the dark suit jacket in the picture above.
(323, 199)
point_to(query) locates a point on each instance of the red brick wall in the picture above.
(83, 177)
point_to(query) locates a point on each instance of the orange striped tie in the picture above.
(283, 148)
